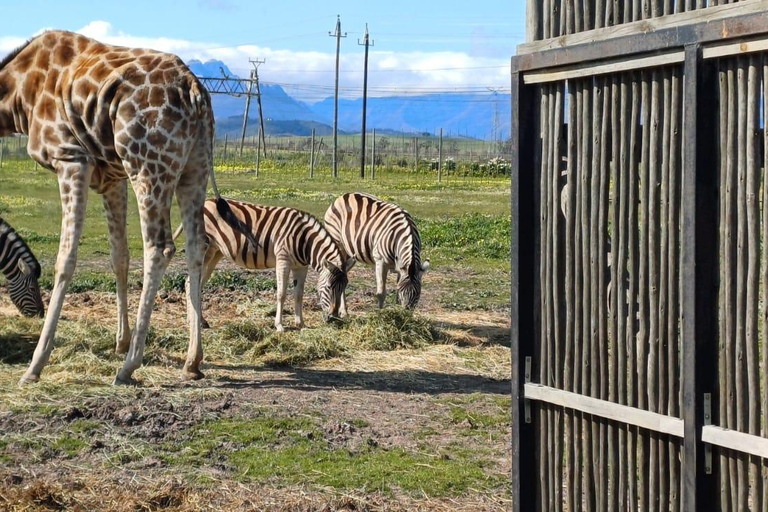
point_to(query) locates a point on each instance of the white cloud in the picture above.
(309, 75)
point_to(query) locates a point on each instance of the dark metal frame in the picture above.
(699, 236)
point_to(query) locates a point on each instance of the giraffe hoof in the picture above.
(28, 378)
(121, 380)
(192, 375)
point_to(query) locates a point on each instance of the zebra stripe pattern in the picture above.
(21, 269)
(382, 234)
(289, 240)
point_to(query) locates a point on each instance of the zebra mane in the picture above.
(13, 237)
(8, 58)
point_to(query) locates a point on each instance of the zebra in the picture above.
(290, 241)
(378, 233)
(22, 271)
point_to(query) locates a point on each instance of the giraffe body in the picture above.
(103, 116)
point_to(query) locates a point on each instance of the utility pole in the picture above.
(366, 42)
(255, 77)
(338, 36)
(245, 116)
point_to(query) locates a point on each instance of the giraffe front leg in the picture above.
(300, 277)
(381, 282)
(282, 273)
(116, 204)
(156, 231)
(74, 178)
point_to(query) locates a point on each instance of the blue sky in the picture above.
(418, 46)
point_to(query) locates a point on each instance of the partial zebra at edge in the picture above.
(22, 271)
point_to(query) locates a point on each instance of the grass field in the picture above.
(389, 411)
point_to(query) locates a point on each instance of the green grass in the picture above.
(292, 450)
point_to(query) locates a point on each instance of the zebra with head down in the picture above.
(382, 234)
(21, 270)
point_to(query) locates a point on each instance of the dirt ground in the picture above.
(436, 401)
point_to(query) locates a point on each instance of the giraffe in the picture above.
(101, 116)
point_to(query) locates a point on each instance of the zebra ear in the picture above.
(328, 265)
(425, 266)
(349, 263)
(25, 269)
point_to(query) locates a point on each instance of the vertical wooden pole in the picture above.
(415, 154)
(373, 154)
(258, 153)
(729, 264)
(764, 368)
(673, 308)
(632, 268)
(312, 156)
(741, 288)
(725, 481)
(440, 158)
(642, 338)
(570, 306)
(752, 174)
(578, 331)
(524, 226)
(699, 274)
(545, 233)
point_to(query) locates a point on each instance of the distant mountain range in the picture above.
(467, 115)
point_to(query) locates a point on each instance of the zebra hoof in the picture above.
(121, 380)
(205, 324)
(28, 379)
(120, 349)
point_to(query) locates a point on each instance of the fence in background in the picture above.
(409, 158)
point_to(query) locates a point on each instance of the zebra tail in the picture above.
(226, 213)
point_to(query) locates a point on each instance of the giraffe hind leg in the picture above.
(190, 195)
(116, 203)
(156, 231)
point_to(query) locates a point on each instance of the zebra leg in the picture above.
(300, 277)
(349, 263)
(74, 178)
(116, 204)
(282, 270)
(381, 282)
(212, 258)
(397, 280)
(157, 233)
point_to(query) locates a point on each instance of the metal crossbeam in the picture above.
(231, 86)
